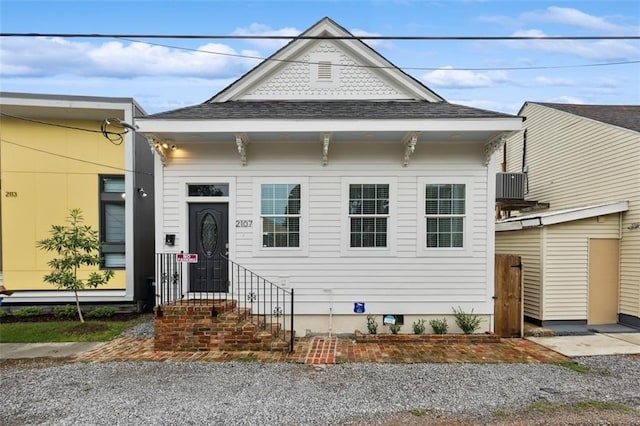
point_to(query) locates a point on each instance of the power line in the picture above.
(115, 138)
(292, 61)
(303, 37)
(73, 158)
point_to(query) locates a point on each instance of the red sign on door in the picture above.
(187, 257)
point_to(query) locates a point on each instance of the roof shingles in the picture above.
(347, 109)
(625, 116)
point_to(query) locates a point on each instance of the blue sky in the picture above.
(475, 73)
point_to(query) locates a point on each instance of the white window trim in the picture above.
(422, 249)
(258, 249)
(346, 249)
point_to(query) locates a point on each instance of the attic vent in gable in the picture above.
(324, 71)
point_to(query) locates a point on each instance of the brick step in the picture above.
(218, 325)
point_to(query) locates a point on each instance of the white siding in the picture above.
(527, 245)
(575, 162)
(566, 265)
(353, 80)
(400, 282)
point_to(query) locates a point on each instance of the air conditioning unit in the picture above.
(510, 186)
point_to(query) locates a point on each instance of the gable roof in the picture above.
(326, 28)
(625, 116)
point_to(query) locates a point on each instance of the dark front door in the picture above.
(208, 238)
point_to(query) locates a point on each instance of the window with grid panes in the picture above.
(444, 215)
(368, 214)
(280, 215)
(112, 221)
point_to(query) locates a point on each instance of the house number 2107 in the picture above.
(244, 223)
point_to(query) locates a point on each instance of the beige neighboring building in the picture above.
(573, 212)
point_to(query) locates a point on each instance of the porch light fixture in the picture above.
(142, 193)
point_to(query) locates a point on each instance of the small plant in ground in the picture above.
(77, 246)
(439, 326)
(3, 314)
(66, 312)
(102, 312)
(418, 327)
(468, 323)
(578, 368)
(372, 325)
(418, 412)
(394, 328)
(29, 311)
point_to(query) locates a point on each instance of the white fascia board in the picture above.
(578, 214)
(561, 216)
(508, 226)
(65, 103)
(426, 125)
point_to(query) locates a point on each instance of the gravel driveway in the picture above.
(172, 393)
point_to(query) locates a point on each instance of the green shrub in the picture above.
(395, 328)
(439, 326)
(468, 323)
(66, 312)
(372, 325)
(418, 327)
(29, 311)
(102, 312)
(4, 314)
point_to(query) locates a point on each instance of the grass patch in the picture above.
(578, 368)
(62, 331)
(419, 412)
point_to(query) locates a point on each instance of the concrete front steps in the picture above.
(207, 325)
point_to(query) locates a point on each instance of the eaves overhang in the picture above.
(159, 126)
(560, 216)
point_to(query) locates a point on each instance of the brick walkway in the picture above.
(323, 350)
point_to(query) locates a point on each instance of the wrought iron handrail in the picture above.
(219, 278)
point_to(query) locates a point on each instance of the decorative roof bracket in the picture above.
(492, 147)
(242, 140)
(409, 142)
(326, 139)
(157, 146)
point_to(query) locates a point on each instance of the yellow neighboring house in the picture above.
(55, 157)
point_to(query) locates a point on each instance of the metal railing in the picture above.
(218, 278)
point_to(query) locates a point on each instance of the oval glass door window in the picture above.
(209, 234)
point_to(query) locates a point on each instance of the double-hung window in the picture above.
(112, 221)
(280, 214)
(445, 210)
(368, 215)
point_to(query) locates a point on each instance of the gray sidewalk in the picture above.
(45, 350)
(593, 344)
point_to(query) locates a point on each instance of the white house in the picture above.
(328, 170)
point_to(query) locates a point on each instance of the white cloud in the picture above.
(506, 107)
(56, 56)
(597, 50)
(376, 44)
(256, 29)
(554, 81)
(452, 78)
(576, 18)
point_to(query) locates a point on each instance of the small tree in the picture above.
(77, 245)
